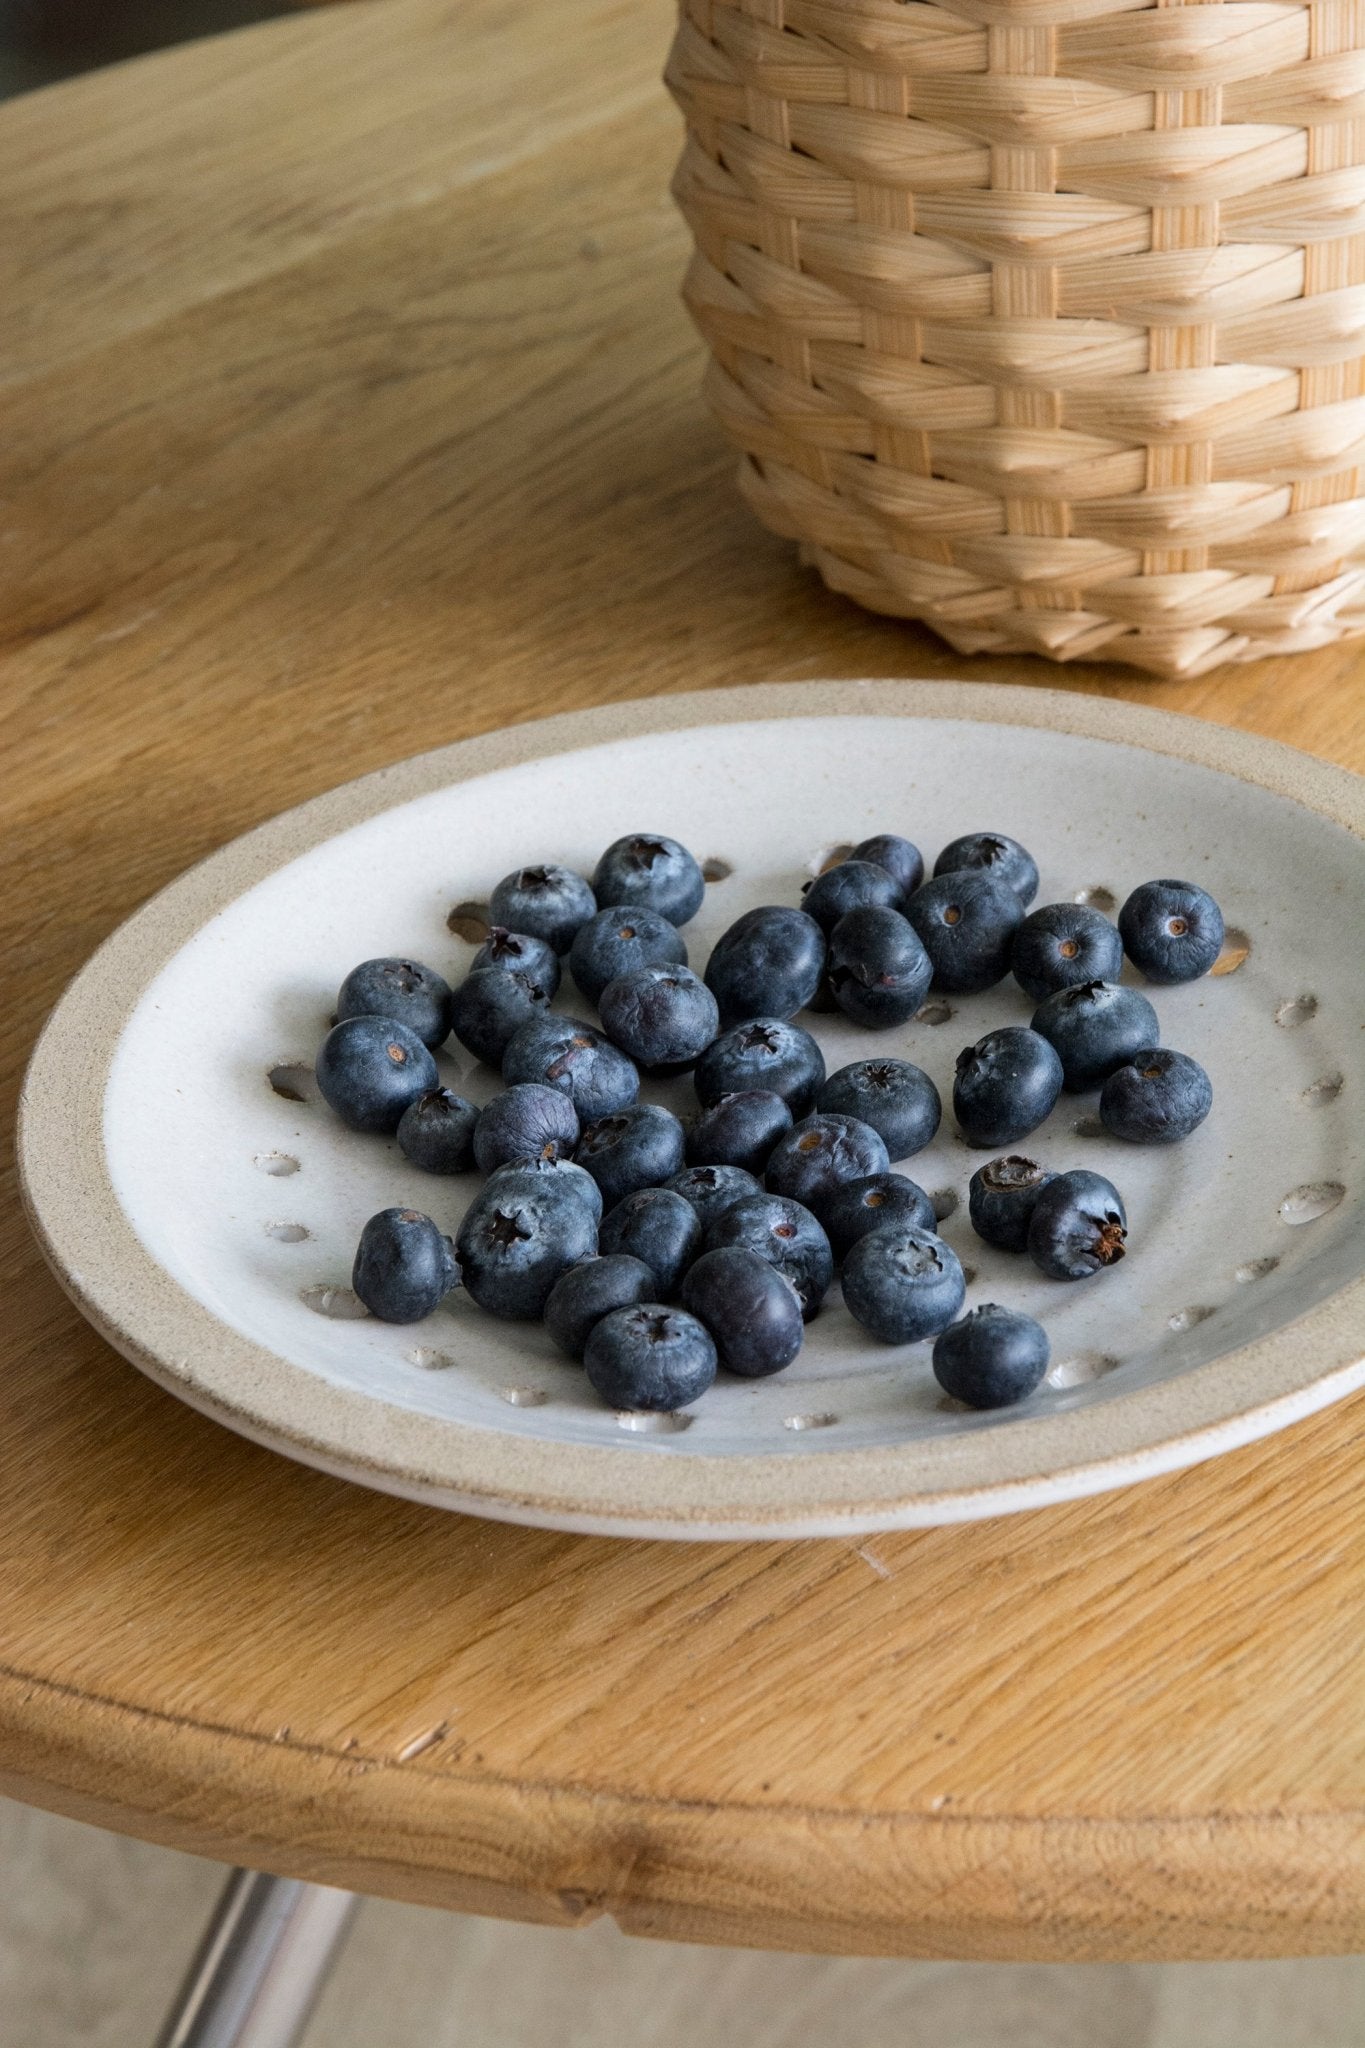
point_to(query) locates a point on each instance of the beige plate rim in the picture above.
(626, 1490)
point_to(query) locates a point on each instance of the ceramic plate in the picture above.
(202, 1205)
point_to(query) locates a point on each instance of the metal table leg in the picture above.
(261, 1964)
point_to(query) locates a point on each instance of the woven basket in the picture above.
(1042, 320)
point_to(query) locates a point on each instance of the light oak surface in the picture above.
(347, 407)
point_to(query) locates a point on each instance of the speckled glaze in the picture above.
(205, 1223)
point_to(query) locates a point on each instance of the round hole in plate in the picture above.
(1088, 1127)
(288, 1233)
(968, 1275)
(429, 1358)
(651, 1421)
(1254, 1269)
(1187, 1318)
(1236, 951)
(1315, 1198)
(340, 1303)
(1081, 1368)
(716, 870)
(1098, 897)
(469, 921)
(945, 1201)
(936, 1011)
(1325, 1089)
(820, 1421)
(524, 1397)
(293, 1079)
(277, 1164)
(1296, 1010)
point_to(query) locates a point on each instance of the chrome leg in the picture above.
(261, 1964)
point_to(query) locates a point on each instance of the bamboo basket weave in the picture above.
(1042, 320)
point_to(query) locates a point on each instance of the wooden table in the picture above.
(347, 407)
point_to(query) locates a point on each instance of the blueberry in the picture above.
(879, 972)
(1094, 1028)
(852, 885)
(664, 1017)
(711, 1189)
(1062, 944)
(815, 1156)
(653, 871)
(992, 1358)
(1000, 1199)
(554, 1177)
(620, 940)
(751, 1309)
(902, 1284)
(518, 952)
(966, 921)
(524, 1120)
(1006, 1084)
(590, 1290)
(993, 854)
(900, 857)
(658, 1226)
(576, 1058)
(765, 1053)
(489, 1008)
(878, 1199)
(739, 1129)
(436, 1132)
(639, 1147)
(1157, 1098)
(404, 1266)
(1171, 931)
(370, 1068)
(899, 1101)
(1078, 1225)
(402, 989)
(787, 1236)
(547, 902)
(650, 1357)
(515, 1241)
(768, 964)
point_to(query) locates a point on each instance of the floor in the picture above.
(94, 1931)
(44, 40)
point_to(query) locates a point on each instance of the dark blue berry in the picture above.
(740, 1129)
(879, 972)
(992, 1358)
(518, 953)
(1079, 1226)
(639, 1147)
(658, 1226)
(489, 1008)
(852, 885)
(618, 941)
(751, 1309)
(555, 1177)
(664, 1017)
(857, 1206)
(768, 964)
(581, 1297)
(404, 1266)
(524, 1120)
(515, 1241)
(1062, 944)
(900, 857)
(1156, 1098)
(548, 902)
(787, 1236)
(576, 1058)
(650, 1357)
(1171, 931)
(1094, 1028)
(993, 854)
(966, 921)
(436, 1132)
(370, 1068)
(653, 871)
(712, 1189)
(899, 1101)
(1006, 1084)
(1000, 1199)
(816, 1155)
(902, 1284)
(402, 989)
(766, 1053)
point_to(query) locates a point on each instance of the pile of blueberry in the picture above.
(656, 1251)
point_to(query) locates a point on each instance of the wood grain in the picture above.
(346, 407)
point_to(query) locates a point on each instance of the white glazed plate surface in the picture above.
(206, 1222)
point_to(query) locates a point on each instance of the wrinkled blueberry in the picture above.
(525, 1119)
(899, 1101)
(436, 1132)
(1171, 931)
(787, 1236)
(991, 1359)
(878, 1199)
(816, 1155)
(1006, 1084)
(993, 854)
(879, 972)
(966, 921)
(1094, 1028)
(548, 902)
(902, 1284)
(618, 941)
(1062, 944)
(1156, 1098)
(552, 1176)
(370, 1068)
(1078, 1226)
(900, 857)
(768, 964)
(518, 953)
(739, 1129)
(750, 1307)
(852, 885)
(765, 1053)
(515, 1241)
(711, 1189)
(590, 1290)
(639, 1147)
(404, 1266)
(651, 870)
(658, 1226)
(1000, 1199)
(489, 1008)
(664, 1017)
(650, 1357)
(576, 1058)
(402, 989)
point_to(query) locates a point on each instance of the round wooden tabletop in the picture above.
(347, 408)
